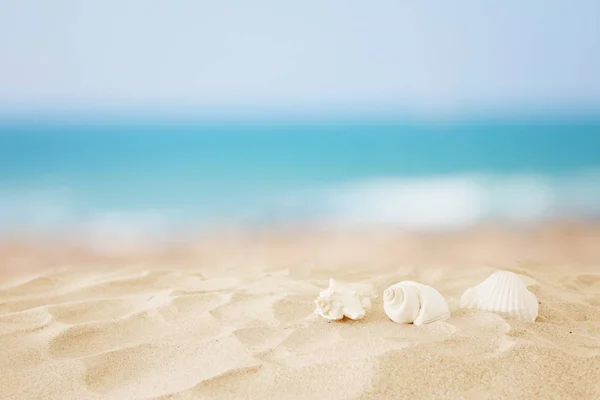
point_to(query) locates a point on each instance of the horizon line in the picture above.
(243, 115)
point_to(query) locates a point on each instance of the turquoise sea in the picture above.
(153, 177)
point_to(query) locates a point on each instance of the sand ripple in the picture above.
(176, 334)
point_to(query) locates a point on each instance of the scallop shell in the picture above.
(503, 293)
(339, 301)
(412, 302)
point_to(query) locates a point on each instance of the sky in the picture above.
(434, 57)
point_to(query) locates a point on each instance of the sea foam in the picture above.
(412, 203)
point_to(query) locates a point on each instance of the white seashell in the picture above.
(338, 301)
(412, 302)
(503, 293)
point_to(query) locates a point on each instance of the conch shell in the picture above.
(412, 302)
(503, 293)
(338, 301)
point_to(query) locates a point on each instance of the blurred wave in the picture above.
(462, 200)
(424, 203)
(117, 186)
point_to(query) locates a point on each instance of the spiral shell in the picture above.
(411, 302)
(503, 293)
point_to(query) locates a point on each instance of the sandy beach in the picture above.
(231, 316)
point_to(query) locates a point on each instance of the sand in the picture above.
(232, 317)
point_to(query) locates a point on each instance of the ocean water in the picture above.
(150, 178)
